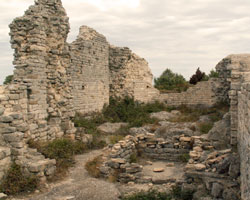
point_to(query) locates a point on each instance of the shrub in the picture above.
(178, 193)
(133, 158)
(8, 79)
(171, 81)
(205, 127)
(184, 157)
(121, 110)
(150, 195)
(197, 77)
(213, 74)
(16, 182)
(115, 138)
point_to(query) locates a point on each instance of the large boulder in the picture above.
(170, 129)
(111, 128)
(220, 133)
(164, 115)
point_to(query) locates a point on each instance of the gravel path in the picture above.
(79, 185)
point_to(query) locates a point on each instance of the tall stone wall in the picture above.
(244, 138)
(130, 75)
(233, 71)
(89, 71)
(38, 39)
(201, 94)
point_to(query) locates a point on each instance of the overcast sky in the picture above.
(177, 34)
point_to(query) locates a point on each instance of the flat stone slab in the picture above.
(168, 175)
(158, 170)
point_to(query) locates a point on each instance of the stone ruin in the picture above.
(54, 79)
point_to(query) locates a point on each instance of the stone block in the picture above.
(14, 137)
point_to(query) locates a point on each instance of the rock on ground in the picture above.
(110, 128)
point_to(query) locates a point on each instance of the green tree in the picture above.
(8, 79)
(171, 81)
(213, 74)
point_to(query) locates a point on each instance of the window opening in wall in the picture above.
(29, 91)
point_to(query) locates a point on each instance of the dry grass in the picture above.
(16, 182)
(93, 166)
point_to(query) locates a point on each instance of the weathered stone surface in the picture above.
(220, 133)
(200, 167)
(109, 128)
(157, 170)
(217, 190)
(163, 115)
(169, 130)
(3, 196)
(201, 94)
(130, 75)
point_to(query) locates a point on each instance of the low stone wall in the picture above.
(119, 157)
(244, 138)
(200, 94)
(216, 171)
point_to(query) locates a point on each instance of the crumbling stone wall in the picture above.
(52, 81)
(89, 71)
(130, 75)
(201, 94)
(38, 39)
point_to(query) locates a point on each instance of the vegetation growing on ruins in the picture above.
(170, 81)
(176, 193)
(213, 74)
(16, 182)
(201, 76)
(62, 150)
(197, 77)
(93, 166)
(189, 114)
(8, 79)
(205, 127)
(121, 110)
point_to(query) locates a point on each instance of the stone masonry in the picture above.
(62, 79)
(89, 71)
(54, 79)
(130, 75)
(202, 94)
(234, 73)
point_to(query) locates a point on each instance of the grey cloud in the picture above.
(180, 34)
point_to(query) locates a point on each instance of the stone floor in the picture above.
(173, 172)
